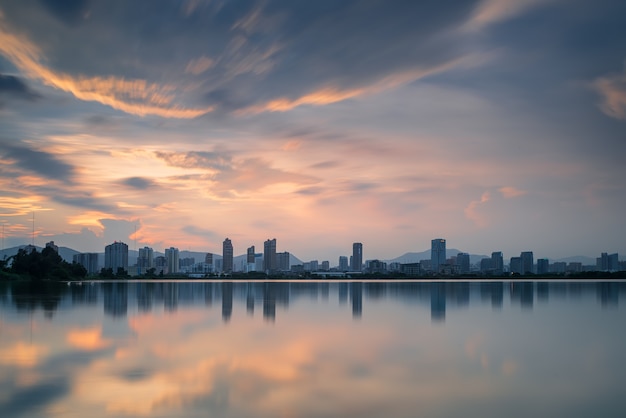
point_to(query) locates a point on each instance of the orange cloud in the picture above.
(198, 66)
(471, 211)
(87, 339)
(509, 192)
(136, 97)
(23, 355)
(331, 94)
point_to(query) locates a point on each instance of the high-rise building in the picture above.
(283, 261)
(486, 265)
(613, 262)
(343, 263)
(250, 255)
(116, 256)
(171, 254)
(437, 254)
(515, 267)
(160, 264)
(602, 262)
(357, 256)
(325, 265)
(463, 261)
(87, 260)
(208, 259)
(269, 255)
(528, 262)
(543, 266)
(227, 256)
(145, 260)
(497, 262)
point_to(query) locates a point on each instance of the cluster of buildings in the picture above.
(271, 261)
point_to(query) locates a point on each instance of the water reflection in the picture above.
(312, 349)
(147, 296)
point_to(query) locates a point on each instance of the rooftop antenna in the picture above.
(33, 229)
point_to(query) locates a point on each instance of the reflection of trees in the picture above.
(30, 295)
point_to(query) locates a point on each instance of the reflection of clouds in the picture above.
(87, 339)
(22, 354)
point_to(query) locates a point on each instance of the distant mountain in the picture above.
(425, 255)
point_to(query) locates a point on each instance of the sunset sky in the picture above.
(499, 125)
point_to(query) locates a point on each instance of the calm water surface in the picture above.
(318, 349)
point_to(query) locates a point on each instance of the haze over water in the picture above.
(312, 349)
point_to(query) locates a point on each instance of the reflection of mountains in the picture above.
(440, 296)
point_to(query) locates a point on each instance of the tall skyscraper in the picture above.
(357, 256)
(613, 262)
(515, 265)
(227, 256)
(543, 266)
(437, 254)
(145, 260)
(269, 255)
(497, 262)
(171, 254)
(528, 262)
(116, 256)
(250, 255)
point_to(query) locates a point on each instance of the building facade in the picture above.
(269, 256)
(227, 256)
(87, 260)
(171, 255)
(437, 254)
(357, 256)
(116, 256)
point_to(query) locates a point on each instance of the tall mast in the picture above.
(33, 229)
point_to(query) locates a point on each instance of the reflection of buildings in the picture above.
(115, 299)
(441, 297)
(356, 297)
(116, 256)
(227, 301)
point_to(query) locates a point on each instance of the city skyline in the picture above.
(494, 123)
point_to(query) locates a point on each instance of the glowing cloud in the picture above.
(87, 339)
(471, 211)
(23, 355)
(509, 192)
(136, 97)
(200, 65)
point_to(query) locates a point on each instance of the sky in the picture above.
(499, 125)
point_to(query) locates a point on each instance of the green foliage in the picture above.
(46, 264)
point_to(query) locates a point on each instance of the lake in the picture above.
(313, 349)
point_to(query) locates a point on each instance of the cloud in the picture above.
(69, 12)
(87, 339)
(140, 183)
(15, 87)
(198, 66)
(509, 192)
(489, 12)
(612, 89)
(133, 96)
(197, 231)
(42, 163)
(472, 210)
